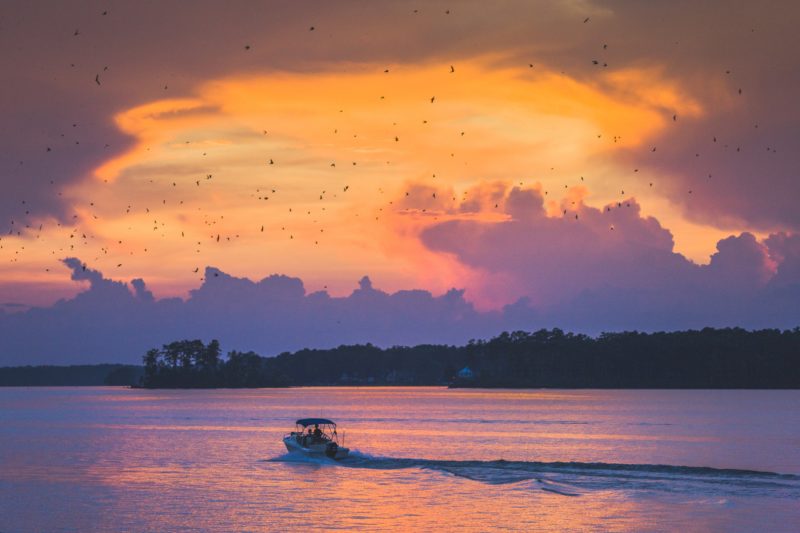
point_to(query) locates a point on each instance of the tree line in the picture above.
(708, 358)
(69, 376)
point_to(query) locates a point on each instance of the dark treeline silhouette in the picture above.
(76, 375)
(710, 358)
(192, 364)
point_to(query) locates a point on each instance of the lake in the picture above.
(423, 458)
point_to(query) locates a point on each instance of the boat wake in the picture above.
(575, 478)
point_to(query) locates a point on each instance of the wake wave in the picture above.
(574, 478)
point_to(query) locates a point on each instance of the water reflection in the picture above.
(125, 460)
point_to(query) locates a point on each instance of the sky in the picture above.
(514, 165)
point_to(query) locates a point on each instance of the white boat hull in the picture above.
(320, 449)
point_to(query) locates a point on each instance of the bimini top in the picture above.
(311, 421)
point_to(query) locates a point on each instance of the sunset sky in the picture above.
(543, 151)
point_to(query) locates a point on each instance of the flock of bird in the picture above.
(81, 239)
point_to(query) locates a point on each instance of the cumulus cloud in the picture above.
(112, 322)
(784, 251)
(553, 258)
(81, 273)
(642, 285)
(610, 267)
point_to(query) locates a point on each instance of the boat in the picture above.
(316, 436)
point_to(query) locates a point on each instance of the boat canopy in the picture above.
(311, 421)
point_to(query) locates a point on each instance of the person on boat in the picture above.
(317, 432)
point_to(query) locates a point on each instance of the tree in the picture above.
(150, 360)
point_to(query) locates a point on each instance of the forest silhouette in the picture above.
(708, 358)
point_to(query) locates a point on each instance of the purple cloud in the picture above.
(642, 285)
(610, 268)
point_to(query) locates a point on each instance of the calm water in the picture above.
(109, 459)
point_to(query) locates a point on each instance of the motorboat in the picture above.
(316, 436)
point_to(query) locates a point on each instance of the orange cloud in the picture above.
(303, 172)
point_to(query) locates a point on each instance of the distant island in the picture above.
(70, 376)
(709, 358)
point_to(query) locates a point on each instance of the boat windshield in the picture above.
(323, 431)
